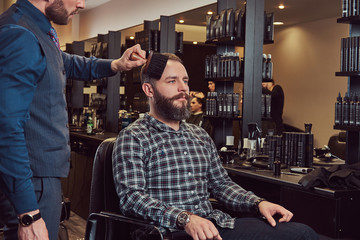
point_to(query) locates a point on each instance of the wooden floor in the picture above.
(75, 226)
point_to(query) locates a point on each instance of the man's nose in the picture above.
(80, 4)
(183, 87)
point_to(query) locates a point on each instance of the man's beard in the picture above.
(165, 106)
(57, 13)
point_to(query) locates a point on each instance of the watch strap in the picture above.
(256, 205)
(30, 218)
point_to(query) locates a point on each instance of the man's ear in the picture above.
(148, 89)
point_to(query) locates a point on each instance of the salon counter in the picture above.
(330, 212)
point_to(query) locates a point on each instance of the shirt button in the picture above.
(185, 153)
(64, 72)
(189, 173)
(192, 192)
(196, 206)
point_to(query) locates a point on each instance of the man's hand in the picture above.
(36, 231)
(268, 210)
(125, 64)
(202, 229)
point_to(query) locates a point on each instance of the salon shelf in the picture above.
(223, 118)
(347, 74)
(352, 132)
(232, 40)
(347, 128)
(225, 79)
(234, 79)
(267, 80)
(349, 20)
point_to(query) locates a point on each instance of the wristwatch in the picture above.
(183, 219)
(256, 205)
(28, 219)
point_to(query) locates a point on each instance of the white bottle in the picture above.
(269, 67)
(264, 66)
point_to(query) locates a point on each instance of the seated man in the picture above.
(164, 169)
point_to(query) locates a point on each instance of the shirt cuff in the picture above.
(23, 201)
(169, 218)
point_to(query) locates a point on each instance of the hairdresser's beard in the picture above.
(57, 13)
(166, 108)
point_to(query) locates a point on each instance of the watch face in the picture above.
(26, 220)
(183, 219)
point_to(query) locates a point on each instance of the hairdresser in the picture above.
(34, 140)
(277, 105)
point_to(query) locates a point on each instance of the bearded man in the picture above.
(164, 170)
(34, 140)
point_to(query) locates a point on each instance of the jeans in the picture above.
(260, 229)
(48, 193)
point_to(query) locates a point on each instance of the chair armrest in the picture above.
(108, 226)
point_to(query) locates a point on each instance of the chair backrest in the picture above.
(337, 145)
(103, 196)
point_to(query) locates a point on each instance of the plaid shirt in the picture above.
(160, 172)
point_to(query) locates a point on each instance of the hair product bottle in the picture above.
(338, 110)
(346, 110)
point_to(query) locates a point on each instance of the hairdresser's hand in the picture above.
(36, 231)
(125, 64)
(268, 210)
(202, 229)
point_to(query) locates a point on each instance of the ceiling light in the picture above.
(132, 37)
(181, 21)
(195, 43)
(281, 6)
(210, 12)
(278, 23)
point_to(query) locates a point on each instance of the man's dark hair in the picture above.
(145, 78)
(201, 101)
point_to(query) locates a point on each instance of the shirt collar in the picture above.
(162, 126)
(35, 14)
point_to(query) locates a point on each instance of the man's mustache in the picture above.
(181, 95)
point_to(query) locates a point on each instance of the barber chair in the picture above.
(105, 221)
(337, 145)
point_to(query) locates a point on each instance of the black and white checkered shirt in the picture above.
(160, 172)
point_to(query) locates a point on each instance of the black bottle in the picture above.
(338, 110)
(207, 67)
(357, 112)
(352, 118)
(346, 110)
